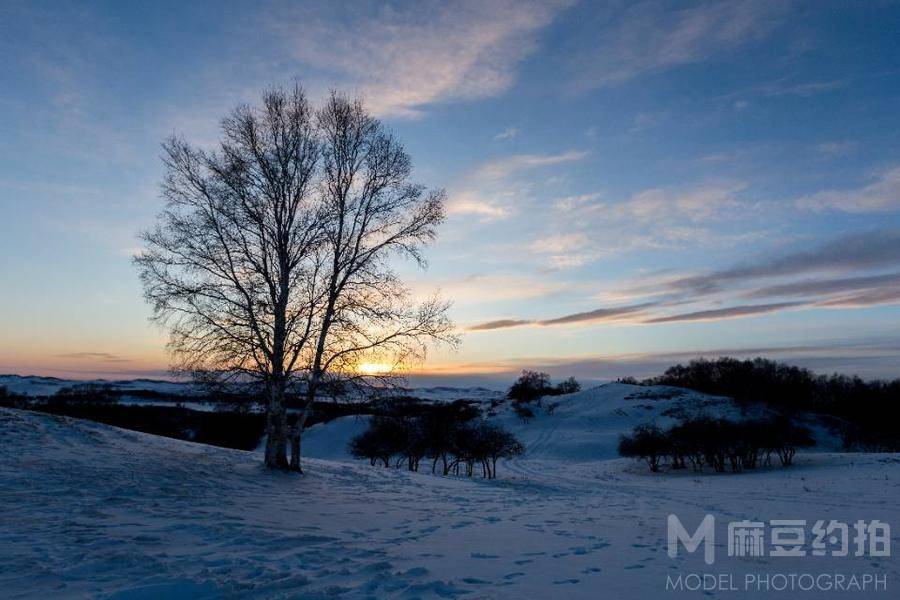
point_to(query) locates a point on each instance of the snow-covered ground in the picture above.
(34, 385)
(94, 511)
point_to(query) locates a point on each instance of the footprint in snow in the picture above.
(562, 581)
(483, 555)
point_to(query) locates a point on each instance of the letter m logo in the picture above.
(706, 533)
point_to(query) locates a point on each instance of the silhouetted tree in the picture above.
(530, 386)
(270, 260)
(369, 212)
(646, 442)
(569, 386)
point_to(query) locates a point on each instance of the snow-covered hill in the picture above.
(580, 427)
(89, 510)
(34, 385)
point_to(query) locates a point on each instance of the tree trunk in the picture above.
(295, 447)
(276, 428)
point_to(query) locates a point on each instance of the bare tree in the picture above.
(230, 268)
(371, 213)
(271, 260)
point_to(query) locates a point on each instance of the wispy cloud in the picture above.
(485, 289)
(507, 134)
(93, 356)
(818, 287)
(881, 195)
(499, 324)
(599, 315)
(404, 58)
(556, 244)
(697, 203)
(502, 167)
(867, 358)
(858, 250)
(732, 312)
(834, 149)
(653, 36)
(785, 281)
(485, 192)
(655, 218)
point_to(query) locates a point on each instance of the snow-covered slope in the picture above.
(94, 511)
(33, 385)
(580, 427)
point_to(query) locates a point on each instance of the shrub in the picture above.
(523, 412)
(529, 387)
(867, 409)
(718, 443)
(569, 386)
(455, 443)
(646, 442)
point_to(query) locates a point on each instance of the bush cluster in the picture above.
(867, 410)
(531, 386)
(455, 444)
(718, 443)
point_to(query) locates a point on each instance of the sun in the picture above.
(373, 368)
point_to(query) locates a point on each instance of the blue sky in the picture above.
(630, 183)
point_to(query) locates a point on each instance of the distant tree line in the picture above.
(718, 443)
(868, 410)
(232, 424)
(456, 441)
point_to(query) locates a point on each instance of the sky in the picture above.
(630, 184)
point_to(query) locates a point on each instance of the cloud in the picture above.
(655, 218)
(867, 358)
(100, 356)
(507, 134)
(556, 244)
(499, 324)
(470, 202)
(828, 150)
(405, 57)
(873, 297)
(483, 289)
(732, 312)
(485, 192)
(570, 203)
(564, 251)
(500, 168)
(654, 36)
(853, 251)
(696, 203)
(599, 315)
(881, 195)
(819, 287)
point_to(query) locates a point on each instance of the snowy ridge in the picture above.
(580, 427)
(34, 385)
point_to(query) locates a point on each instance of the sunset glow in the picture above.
(374, 368)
